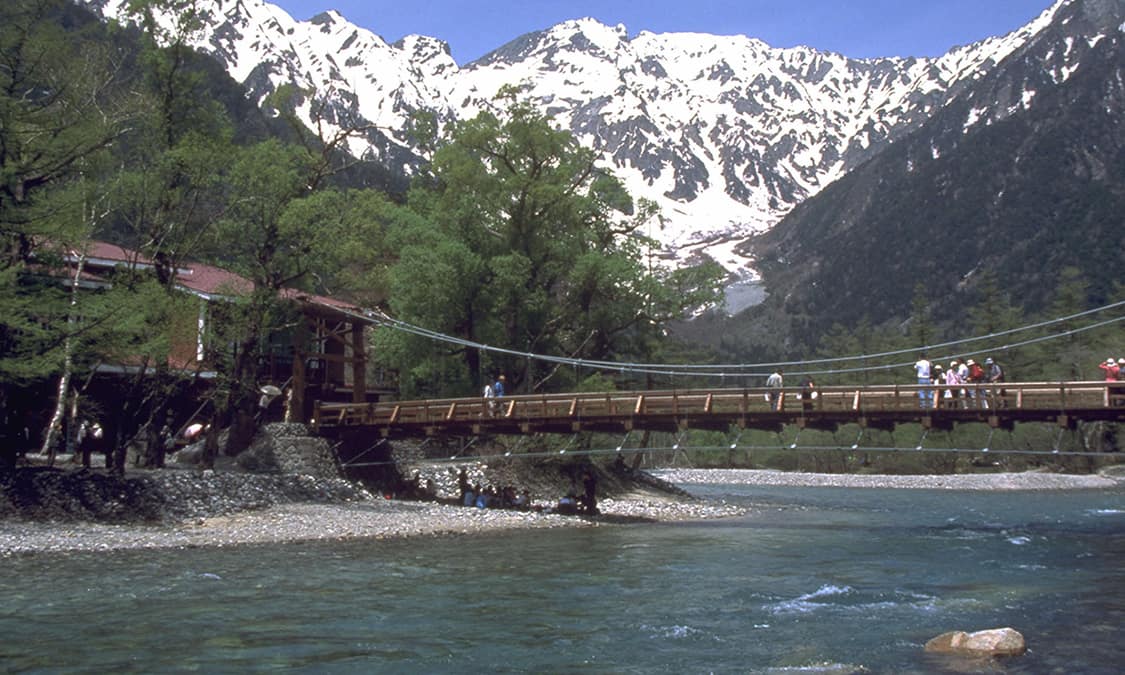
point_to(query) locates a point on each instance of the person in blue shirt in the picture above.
(498, 388)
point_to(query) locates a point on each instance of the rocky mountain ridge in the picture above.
(1021, 176)
(727, 133)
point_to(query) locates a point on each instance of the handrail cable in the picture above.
(701, 370)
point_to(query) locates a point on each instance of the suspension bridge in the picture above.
(873, 406)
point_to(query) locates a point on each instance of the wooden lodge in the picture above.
(322, 358)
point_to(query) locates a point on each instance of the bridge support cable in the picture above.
(858, 438)
(519, 444)
(621, 445)
(1058, 440)
(988, 442)
(677, 450)
(568, 445)
(355, 460)
(465, 447)
(922, 439)
(958, 347)
(793, 445)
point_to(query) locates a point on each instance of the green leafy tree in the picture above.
(62, 105)
(524, 243)
(268, 235)
(165, 198)
(176, 156)
(59, 112)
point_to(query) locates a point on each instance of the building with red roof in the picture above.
(323, 357)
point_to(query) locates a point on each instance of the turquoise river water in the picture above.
(813, 580)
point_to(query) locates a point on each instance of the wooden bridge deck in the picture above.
(879, 406)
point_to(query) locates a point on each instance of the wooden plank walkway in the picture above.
(878, 406)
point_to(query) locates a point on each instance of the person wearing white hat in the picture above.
(1112, 370)
(1120, 389)
(953, 379)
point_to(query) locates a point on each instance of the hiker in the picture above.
(775, 382)
(953, 381)
(808, 393)
(922, 370)
(490, 400)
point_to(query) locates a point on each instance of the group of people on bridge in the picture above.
(494, 391)
(962, 383)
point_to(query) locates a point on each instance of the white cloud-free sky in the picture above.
(856, 28)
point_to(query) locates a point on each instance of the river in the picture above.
(812, 580)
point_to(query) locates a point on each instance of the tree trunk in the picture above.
(49, 437)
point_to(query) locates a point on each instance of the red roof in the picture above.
(202, 278)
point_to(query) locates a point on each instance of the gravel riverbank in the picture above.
(214, 509)
(70, 511)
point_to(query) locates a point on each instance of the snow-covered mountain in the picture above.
(727, 134)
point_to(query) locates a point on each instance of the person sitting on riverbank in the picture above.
(469, 497)
(568, 505)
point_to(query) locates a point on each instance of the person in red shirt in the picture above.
(1111, 370)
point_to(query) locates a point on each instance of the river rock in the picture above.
(993, 642)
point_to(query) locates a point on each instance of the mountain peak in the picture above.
(726, 133)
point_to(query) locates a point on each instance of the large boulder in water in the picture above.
(993, 642)
(290, 449)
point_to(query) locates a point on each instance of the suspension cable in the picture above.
(703, 370)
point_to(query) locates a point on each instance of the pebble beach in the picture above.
(358, 514)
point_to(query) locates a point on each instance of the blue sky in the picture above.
(857, 28)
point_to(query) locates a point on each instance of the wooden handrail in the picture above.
(835, 405)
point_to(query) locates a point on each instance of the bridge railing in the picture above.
(720, 404)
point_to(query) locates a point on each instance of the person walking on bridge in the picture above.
(775, 382)
(922, 370)
(490, 400)
(498, 388)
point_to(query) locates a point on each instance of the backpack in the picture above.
(976, 373)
